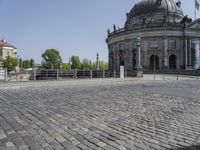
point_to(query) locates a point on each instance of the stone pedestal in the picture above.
(139, 72)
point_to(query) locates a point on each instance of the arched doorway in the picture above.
(172, 61)
(154, 62)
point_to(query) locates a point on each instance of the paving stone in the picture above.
(105, 114)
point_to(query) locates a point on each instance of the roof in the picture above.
(4, 43)
(153, 6)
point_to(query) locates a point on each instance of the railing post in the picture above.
(103, 73)
(125, 73)
(57, 76)
(34, 74)
(6, 75)
(76, 74)
(90, 74)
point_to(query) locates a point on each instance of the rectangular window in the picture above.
(172, 44)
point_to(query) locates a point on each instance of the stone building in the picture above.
(169, 40)
(7, 49)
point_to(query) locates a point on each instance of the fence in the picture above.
(73, 74)
(41, 74)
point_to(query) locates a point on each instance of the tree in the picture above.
(10, 64)
(65, 66)
(103, 65)
(20, 63)
(32, 63)
(85, 64)
(51, 59)
(26, 64)
(76, 64)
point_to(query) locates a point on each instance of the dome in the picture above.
(150, 7)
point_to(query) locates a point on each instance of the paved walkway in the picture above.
(110, 114)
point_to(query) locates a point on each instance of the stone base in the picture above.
(139, 72)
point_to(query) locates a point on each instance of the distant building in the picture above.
(7, 49)
(169, 40)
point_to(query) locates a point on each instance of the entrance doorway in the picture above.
(172, 61)
(154, 62)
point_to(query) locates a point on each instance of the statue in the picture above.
(114, 27)
(158, 2)
(108, 31)
(186, 19)
(178, 3)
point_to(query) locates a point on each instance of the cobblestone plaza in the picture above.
(107, 114)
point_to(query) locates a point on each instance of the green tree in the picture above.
(85, 64)
(103, 65)
(76, 64)
(32, 63)
(20, 63)
(26, 64)
(65, 66)
(10, 63)
(51, 59)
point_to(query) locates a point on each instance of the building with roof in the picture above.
(169, 40)
(6, 49)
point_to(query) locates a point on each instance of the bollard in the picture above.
(154, 76)
(177, 77)
(163, 77)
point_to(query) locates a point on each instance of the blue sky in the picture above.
(74, 27)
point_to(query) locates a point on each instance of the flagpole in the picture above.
(195, 11)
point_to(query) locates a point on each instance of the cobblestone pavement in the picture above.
(108, 114)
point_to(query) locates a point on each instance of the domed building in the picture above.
(167, 38)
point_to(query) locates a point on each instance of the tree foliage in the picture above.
(76, 64)
(10, 63)
(26, 64)
(103, 65)
(32, 63)
(51, 59)
(65, 66)
(85, 64)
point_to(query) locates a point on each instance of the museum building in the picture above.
(167, 38)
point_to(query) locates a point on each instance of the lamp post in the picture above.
(139, 69)
(139, 66)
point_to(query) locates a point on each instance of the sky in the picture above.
(74, 27)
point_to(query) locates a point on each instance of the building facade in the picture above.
(169, 40)
(6, 50)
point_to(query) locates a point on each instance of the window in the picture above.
(172, 43)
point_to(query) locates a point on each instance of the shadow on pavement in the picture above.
(192, 147)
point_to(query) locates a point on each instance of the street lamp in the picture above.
(138, 40)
